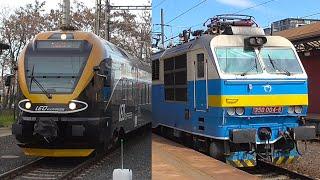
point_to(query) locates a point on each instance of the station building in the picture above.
(306, 40)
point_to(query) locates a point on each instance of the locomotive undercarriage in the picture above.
(245, 153)
(56, 133)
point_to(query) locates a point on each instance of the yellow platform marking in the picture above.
(258, 100)
(57, 152)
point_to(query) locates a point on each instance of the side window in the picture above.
(175, 78)
(200, 65)
(155, 69)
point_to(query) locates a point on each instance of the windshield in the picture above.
(280, 61)
(56, 74)
(57, 71)
(236, 60)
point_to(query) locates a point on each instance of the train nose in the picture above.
(264, 133)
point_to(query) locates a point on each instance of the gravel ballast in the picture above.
(11, 156)
(309, 163)
(137, 157)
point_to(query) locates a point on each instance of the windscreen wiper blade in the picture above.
(49, 96)
(276, 67)
(254, 66)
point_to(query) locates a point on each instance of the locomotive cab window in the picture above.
(237, 60)
(200, 65)
(175, 78)
(41, 65)
(280, 61)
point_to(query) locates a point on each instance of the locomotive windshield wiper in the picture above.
(254, 66)
(38, 84)
(276, 67)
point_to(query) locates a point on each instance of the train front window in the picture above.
(56, 72)
(280, 61)
(236, 60)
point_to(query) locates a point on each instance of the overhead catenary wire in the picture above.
(185, 12)
(251, 7)
(302, 17)
(198, 4)
(157, 5)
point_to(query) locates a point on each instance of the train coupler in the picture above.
(242, 159)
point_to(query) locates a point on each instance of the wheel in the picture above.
(216, 150)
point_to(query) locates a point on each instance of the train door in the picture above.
(200, 83)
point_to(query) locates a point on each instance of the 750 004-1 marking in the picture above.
(267, 110)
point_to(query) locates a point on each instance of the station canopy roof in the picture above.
(304, 38)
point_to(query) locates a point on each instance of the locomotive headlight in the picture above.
(231, 111)
(27, 105)
(290, 109)
(240, 111)
(298, 109)
(72, 106)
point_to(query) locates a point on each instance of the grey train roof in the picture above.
(202, 41)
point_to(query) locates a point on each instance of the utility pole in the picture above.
(98, 16)
(162, 28)
(66, 21)
(107, 21)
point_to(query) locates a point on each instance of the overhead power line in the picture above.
(251, 7)
(185, 12)
(159, 4)
(302, 17)
(310, 15)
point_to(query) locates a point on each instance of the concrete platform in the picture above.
(174, 161)
(5, 132)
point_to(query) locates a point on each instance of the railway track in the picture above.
(67, 168)
(50, 168)
(266, 170)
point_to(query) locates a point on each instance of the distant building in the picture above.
(289, 23)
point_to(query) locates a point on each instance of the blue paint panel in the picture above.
(217, 87)
(217, 123)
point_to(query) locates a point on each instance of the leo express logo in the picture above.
(46, 108)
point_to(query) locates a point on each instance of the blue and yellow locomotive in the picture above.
(233, 92)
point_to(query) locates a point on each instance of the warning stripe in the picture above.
(284, 160)
(242, 163)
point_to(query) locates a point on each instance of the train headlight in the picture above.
(255, 41)
(72, 106)
(290, 109)
(27, 105)
(298, 109)
(231, 111)
(240, 111)
(63, 36)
